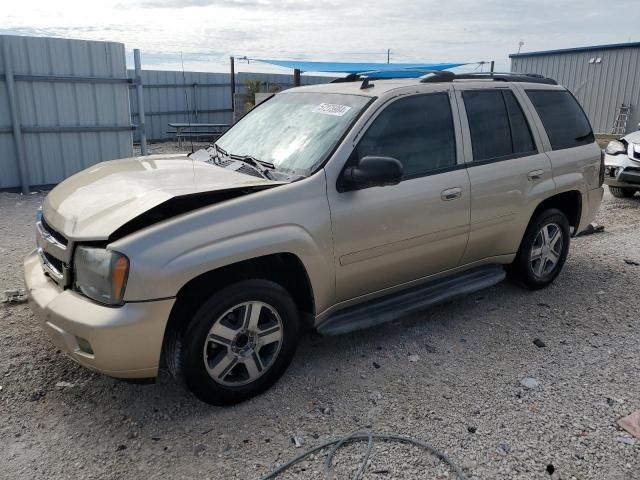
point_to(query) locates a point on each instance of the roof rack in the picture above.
(366, 77)
(446, 76)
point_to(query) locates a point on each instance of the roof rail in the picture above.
(371, 75)
(495, 76)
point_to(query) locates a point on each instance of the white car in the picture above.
(622, 165)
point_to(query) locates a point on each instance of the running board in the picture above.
(413, 300)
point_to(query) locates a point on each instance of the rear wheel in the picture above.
(622, 192)
(238, 343)
(543, 251)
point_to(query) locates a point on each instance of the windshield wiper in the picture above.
(260, 165)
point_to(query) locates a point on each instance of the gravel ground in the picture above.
(451, 377)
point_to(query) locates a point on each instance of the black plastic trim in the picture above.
(412, 300)
(501, 159)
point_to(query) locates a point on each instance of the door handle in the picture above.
(451, 194)
(535, 175)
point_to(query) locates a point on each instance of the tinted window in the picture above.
(417, 130)
(499, 129)
(520, 132)
(563, 118)
(489, 124)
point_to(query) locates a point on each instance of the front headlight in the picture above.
(615, 147)
(101, 274)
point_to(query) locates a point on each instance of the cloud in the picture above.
(255, 4)
(207, 32)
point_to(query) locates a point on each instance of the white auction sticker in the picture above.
(331, 109)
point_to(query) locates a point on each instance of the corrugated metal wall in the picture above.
(600, 87)
(71, 117)
(208, 96)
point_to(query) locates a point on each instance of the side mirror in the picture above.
(373, 172)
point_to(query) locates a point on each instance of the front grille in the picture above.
(55, 253)
(53, 261)
(51, 231)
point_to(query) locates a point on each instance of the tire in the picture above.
(622, 192)
(541, 258)
(221, 355)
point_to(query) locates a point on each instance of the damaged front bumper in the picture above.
(623, 170)
(124, 342)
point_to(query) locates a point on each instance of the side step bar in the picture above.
(413, 300)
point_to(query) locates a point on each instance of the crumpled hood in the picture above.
(97, 201)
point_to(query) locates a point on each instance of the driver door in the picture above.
(387, 236)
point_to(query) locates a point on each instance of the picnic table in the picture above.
(198, 130)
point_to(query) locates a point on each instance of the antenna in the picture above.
(186, 101)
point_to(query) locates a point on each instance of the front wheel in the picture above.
(543, 250)
(238, 343)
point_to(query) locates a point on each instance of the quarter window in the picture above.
(499, 129)
(417, 130)
(563, 118)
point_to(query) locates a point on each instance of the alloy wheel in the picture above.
(546, 250)
(243, 343)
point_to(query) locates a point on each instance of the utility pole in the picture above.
(388, 55)
(142, 127)
(232, 82)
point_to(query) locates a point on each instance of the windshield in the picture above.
(293, 131)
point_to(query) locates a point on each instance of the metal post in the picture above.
(296, 77)
(232, 81)
(388, 55)
(141, 121)
(21, 161)
(493, 64)
(195, 101)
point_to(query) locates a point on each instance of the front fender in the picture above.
(291, 219)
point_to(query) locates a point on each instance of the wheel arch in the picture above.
(569, 203)
(283, 268)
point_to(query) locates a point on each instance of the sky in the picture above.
(204, 33)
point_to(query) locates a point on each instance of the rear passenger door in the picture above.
(508, 171)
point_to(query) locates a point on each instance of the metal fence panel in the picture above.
(198, 97)
(73, 107)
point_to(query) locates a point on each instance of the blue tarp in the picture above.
(398, 69)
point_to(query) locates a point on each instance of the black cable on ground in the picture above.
(359, 437)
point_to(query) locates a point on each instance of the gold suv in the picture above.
(336, 206)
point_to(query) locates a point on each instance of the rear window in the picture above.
(563, 118)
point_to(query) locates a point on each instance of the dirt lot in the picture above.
(451, 377)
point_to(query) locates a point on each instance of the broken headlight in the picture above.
(615, 147)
